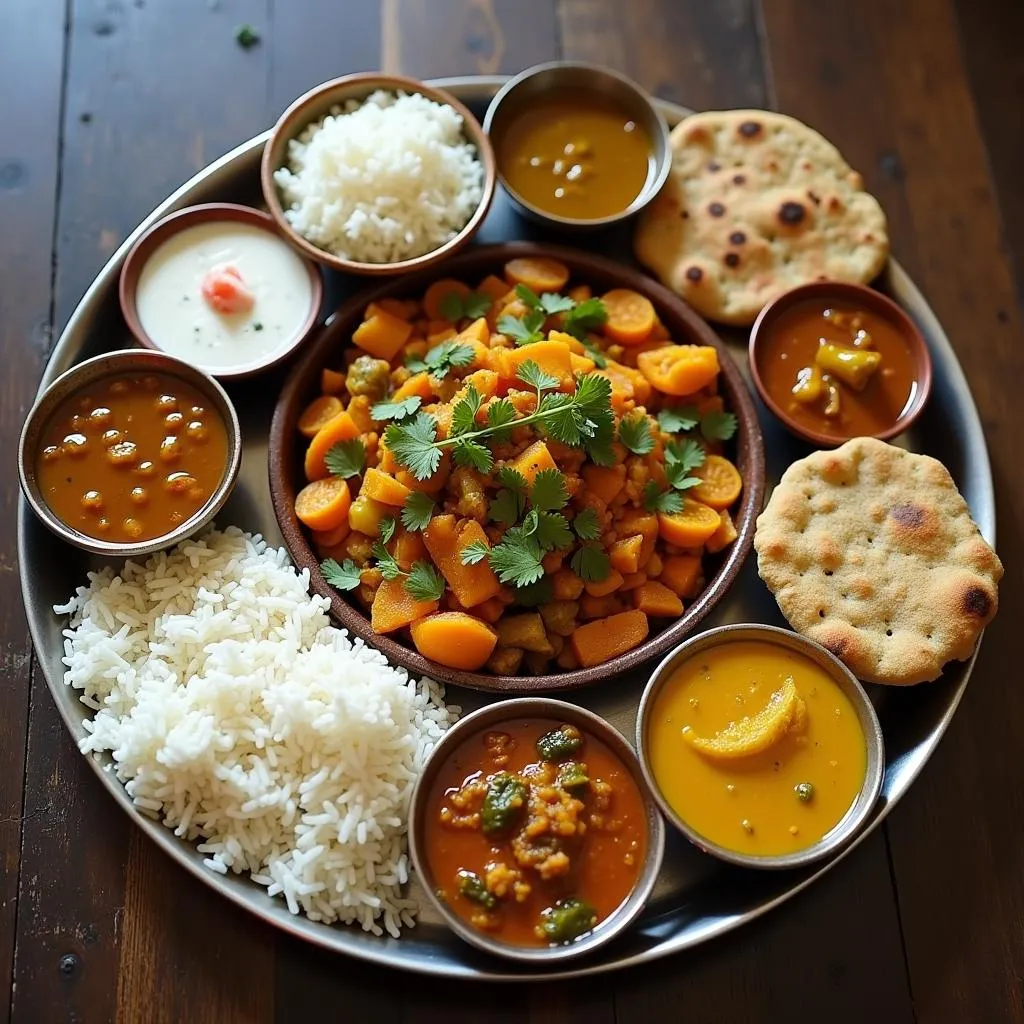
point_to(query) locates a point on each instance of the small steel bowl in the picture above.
(587, 722)
(316, 104)
(138, 256)
(858, 813)
(112, 364)
(543, 82)
(866, 298)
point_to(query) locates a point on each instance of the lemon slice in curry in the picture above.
(755, 733)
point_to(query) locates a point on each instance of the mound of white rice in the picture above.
(237, 715)
(382, 180)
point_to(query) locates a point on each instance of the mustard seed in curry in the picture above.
(132, 457)
(535, 832)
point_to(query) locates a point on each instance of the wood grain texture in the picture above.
(29, 155)
(916, 136)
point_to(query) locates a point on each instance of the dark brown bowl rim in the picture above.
(292, 122)
(650, 189)
(283, 465)
(151, 240)
(882, 305)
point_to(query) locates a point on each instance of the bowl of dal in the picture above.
(578, 145)
(760, 747)
(129, 452)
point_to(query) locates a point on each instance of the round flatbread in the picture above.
(871, 551)
(757, 203)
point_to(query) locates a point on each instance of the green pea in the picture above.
(804, 792)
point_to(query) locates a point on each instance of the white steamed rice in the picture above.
(386, 179)
(237, 715)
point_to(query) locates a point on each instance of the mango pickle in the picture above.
(853, 367)
(808, 387)
(833, 405)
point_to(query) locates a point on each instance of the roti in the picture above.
(756, 204)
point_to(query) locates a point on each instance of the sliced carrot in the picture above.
(445, 539)
(691, 527)
(340, 428)
(433, 483)
(454, 639)
(625, 553)
(655, 599)
(404, 309)
(631, 316)
(434, 297)
(359, 410)
(552, 357)
(490, 610)
(592, 607)
(580, 293)
(493, 287)
(394, 607)
(533, 460)
(383, 487)
(580, 364)
(442, 334)
(603, 639)
(720, 482)
(681, 574)
(541, 273)
(323, 504)
(408, 548)
(478, 330)
(611, 582)
(604, 481)
(332, 538)
(382, 335)
(679, 369)
(319, 412)
(644, 523)
(723, 536)
(332, 382)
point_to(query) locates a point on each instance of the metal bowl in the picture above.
(865, 297)
(114, 364)
(537, 84)
(861, 808)
(586, 722)
(319, 102)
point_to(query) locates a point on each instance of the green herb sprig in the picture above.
(457, 307)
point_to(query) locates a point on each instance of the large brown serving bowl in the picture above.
(683, 325)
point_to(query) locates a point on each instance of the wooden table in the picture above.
(110, 104)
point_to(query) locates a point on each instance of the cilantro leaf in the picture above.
(587, 316)
(412, 444)
(525, 331)
(475, 552)
(346, 576)
(590, 563)
(635, 434)
(600, 446)
(472, 306)
(563, 420)
(552, 302)
(553, 533)
(424, 583)
(527, 296)
(593, 394)
(507, 507)
(673, 421)
(687, 455)
(389, 568)
(529, 525)
(467, 452)
(718, 426)
(500, 414)
(593, 352)
(657, 500)
(534, 594)
(386, 530)
(586, 524)
(346, 458)
(548, 492)
(517, 559)
(399, 410)
(511, 478)
(679, 478)
(416, 511)
(530, 373)
(444, 356)
(464, 412)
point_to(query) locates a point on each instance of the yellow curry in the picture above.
(756, 748)
(579, 156)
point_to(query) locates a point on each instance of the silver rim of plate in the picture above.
(695, 898)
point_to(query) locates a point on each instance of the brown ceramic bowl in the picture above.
(316, 104)
(160, 232)
(492, 716)
(865, 298)
(286, 451)
(83, 375)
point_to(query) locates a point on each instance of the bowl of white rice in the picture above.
(378, 174)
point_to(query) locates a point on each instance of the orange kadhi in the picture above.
(756, 748)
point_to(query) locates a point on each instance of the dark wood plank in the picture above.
(915, 134)
(136, 126)
(434, 38)
(702, 55)
(29, 153)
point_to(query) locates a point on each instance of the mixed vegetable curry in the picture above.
(522, 474)
(535, 832)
